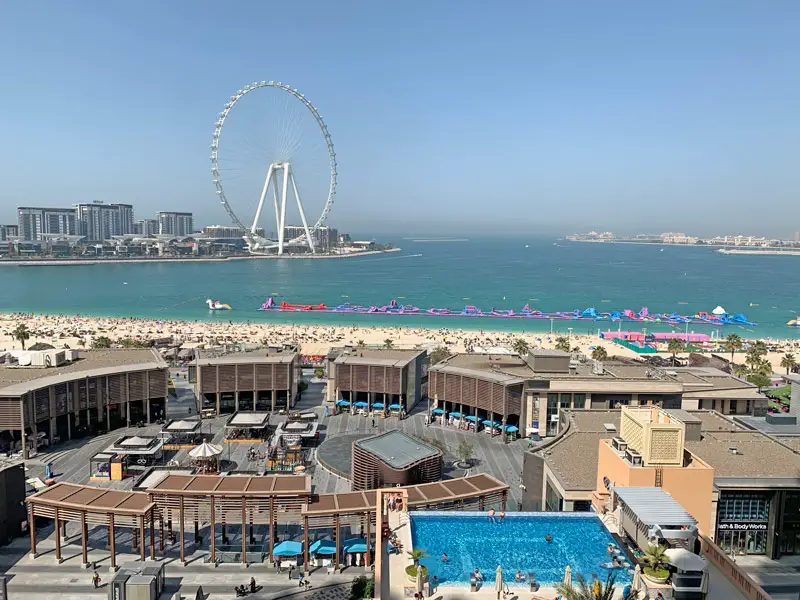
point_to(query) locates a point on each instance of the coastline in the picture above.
(759, 252)
(72, 262)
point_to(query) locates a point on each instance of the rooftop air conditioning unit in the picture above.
(597, 368)
(633, 457)
(619, 444)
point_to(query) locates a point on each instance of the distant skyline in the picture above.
(448, 118)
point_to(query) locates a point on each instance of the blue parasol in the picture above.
(326, 547)
(354, 545)
(437, 411)
(342, 403)
(489, 423)
(471, 418)
(512, 428)
(360, 404)
(377, 405)
(288, 548)
(395, 407)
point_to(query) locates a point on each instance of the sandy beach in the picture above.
(77, 331)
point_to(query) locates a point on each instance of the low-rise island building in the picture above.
(261, 380)
(54, 395)
(394, 458)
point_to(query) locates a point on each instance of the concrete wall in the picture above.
(693, 488)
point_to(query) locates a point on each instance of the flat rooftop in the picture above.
(248, 420)
(377, 356)
(397, 449)
(777, 429)
(573, 457)
(260, 356)
(505, 369)
(19, 380)
(757, 455)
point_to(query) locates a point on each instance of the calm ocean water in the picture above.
(487, 273)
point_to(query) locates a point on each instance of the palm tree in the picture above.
(562, 343)
(583, 590)
(388, 343)
(675, 347)
(360, 343)
(521, 347)
(417, 554)
(21, 334)
(788, 362)
(740, 370)
(656, 558)
(733, 343)
(599, 353)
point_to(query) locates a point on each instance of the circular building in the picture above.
(394, 458)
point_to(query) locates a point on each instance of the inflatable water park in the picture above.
(718, 316)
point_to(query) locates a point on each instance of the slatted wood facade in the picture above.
(476, 393)
(369, 378)
(246, 377)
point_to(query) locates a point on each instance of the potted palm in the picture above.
(581, 589)
(656, 569)
(416, 555)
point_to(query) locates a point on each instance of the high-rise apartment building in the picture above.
(8, 231)
(179, 224)
(99, 221)
(34, 222)
(145, 227)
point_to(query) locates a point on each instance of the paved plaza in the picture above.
(29, 578)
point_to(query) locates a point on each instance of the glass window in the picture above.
(733, 404)
(566, 401)
(700, 404)
(579, 400)
(713, 405)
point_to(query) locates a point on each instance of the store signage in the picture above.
(742, 527)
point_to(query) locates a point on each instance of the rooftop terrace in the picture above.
(397, 449)
(377, 356)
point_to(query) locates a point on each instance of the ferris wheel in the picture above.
(274, 134)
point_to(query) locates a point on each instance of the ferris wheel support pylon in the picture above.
(280, 200)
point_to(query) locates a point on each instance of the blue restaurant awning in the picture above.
(377, 405)
(326, 547)
(360, 404)
(342, 403)
(354, 545)
(395, 406)
(437, 411)
(455, 414)
(489, 423)
(288, 548)
(471, 418)
(512, 428)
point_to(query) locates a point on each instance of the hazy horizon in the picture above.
(450, 120)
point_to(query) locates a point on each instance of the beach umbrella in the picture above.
(288, 548)
(437, 411)
(455, 414)
(205, 450)
(719, 311)
(323, 547)
(377, 405)
(512, 428)
(498, 580)
(355, 545)
(568, 576)
(471, 418)
(360, 404)
(685, 560)
(419, 578)
(636, 584)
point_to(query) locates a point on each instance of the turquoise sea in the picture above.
(506, 273)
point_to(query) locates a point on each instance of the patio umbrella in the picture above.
(685, 560)
(512, 428)
(471, 418)
(395, 406)
(288, 548)
(455, 414)
(498, 580)
(636, 584)
(437, 411)
(568, 576)
(324, 547)
(354, 545)
(489, 423)
(360, 404)
(342, 403)
(419, 578)
(205, 450)
(377, 405)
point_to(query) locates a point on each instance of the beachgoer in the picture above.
(616, 562)
(491, 515)
(95, 580)
(373, 423)
(502, 515)
(659, 596)
(519, 576)
(444, 557)
(548, 538)
(252, 585)
(435, 584)
(291, 570)
(300, 579)
(478, 574)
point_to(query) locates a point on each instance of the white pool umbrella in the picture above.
(719, 311)
(419, 578)
(205, 450)
(498, 580)
(685, 560)
(636, 584)
(568, 576)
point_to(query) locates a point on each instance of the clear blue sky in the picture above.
(511, 116)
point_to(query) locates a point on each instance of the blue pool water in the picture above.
(518, 542)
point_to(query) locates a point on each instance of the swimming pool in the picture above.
(518, 542)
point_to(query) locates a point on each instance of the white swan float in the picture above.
(217, 305)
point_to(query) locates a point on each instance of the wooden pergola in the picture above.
(89, 505)
(245, 499)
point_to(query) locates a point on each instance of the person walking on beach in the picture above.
(95, 580)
